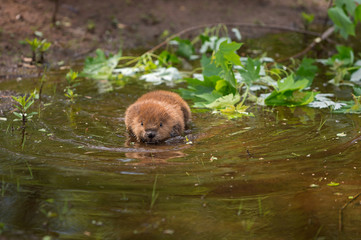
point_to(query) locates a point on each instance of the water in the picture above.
(263, 177)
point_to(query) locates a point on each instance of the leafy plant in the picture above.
(341, 64)
(185, 47)
(71, 78)
(307, 19)
(22, 105)
(345, 14)
(353, 106)
(69, 93)
(100, 67)
(43, 48)
(40, 47)
(289, 93)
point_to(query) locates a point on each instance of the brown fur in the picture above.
(156, 116)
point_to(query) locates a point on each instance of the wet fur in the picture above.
(163, 113)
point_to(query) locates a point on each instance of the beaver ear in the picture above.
(176, 130)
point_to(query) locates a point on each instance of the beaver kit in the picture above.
(157, 116)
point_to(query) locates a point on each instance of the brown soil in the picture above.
(132, 23)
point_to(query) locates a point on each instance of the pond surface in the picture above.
(263, 177)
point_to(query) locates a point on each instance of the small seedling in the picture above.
(34, 45)
(23, 104)
(70, 94)
(40, 47)
(71, 78)
(90, 26)
(307, 19)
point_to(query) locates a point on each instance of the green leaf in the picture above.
(342, 21)
(166, 58)
(357, 17)
(289, 93)
(227, 51)
(344, 55)
(221, 85)
(251, 71)
(185, 47)
(357, 90)
(209, 67)
(100, 67)
(349, 5)
(288, 84)
(306, 71)
(19, 115)
(236, 112)
(308, 17)
(222, 102)
(28, 104)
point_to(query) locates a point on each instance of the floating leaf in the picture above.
(224, 101)
(288, 93)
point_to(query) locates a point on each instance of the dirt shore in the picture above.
(83, 26)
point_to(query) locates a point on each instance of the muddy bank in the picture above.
(83, 26)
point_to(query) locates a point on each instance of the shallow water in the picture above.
(263, 177)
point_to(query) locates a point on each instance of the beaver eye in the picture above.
(161, 124)
(141, 123)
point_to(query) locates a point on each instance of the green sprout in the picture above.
(40, 47)
(22, 105)
(70, 94)
(43, 48)
(34, 45)
(307, 19)
(71, 78)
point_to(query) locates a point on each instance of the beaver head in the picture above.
(154, 121)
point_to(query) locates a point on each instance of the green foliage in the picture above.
(238, 111)
(306, 70)
(71, 78)
(226, 57)
(168, 59)
(307, 19)
(342, 64)
(22, 105)
(38, 47)
(185, 47)
(215, 83)
(69, 93)
(342, 14)
(289, 93)
(251, 72)
(353, 106)
(100, 67)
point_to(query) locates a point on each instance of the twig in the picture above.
(340, 213)
(316, 41)
(244, 25)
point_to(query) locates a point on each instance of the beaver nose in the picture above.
(151, 134)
